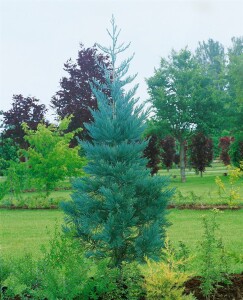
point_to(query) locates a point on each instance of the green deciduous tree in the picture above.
(235, 79)
(49, 157)
(118, 210)
(183, 99)
(8, 152)
(236, 150)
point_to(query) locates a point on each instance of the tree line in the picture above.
(196, 99)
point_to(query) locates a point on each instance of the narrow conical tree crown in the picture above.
(118, 210)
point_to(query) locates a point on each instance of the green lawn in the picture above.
(203, 190)
(24, 231)
(196, 190)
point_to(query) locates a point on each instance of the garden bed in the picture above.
(170, 206)
(204, 206)
(232, 291)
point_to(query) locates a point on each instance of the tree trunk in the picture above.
(182, 161)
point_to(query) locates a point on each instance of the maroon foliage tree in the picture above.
(224, 144)
(168, 151)
(24, 109)
(152, 153)
(201, 152)
(75, 96)
(177, 159)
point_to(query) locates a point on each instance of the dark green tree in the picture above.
(235, 84)
(118, 210)
(236, 150)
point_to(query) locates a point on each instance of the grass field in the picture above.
(25, 231)
(203, 190)
(197, 190)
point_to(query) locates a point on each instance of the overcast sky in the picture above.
(37, 37)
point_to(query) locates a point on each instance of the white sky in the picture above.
(37, 37)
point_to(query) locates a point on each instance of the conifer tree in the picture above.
(118, 210)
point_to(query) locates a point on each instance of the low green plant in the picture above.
(165, 279)
(63, 272)
(23, 277)
(129, 283)
(4, 272)
(212, 258)
(190, 197)
(66, 273)
(232, 194)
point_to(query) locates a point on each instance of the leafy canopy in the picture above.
(49, 157)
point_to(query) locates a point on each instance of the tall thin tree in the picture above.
(119, 209)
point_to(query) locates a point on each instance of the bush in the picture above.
(213, 262)
(62, 273)
(165, 279)
(23, 276)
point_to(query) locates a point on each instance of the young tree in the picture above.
(49, 158)
(118, 210)
(236, 150)
(168, 151)
(224, 144)
(24, 110)
(181, 93)
(75, 96)
(152, 153)
(201, 152)
(8, 152)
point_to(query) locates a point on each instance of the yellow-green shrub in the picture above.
(165, 279)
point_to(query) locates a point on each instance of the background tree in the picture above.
(168, 151)
(181, 93)
(24, 110)
(118, 210)
(235, 86)
(236, 150)
(201, 152)
(8, 152)
(152, 153)
(75, 96)
(211, 56)
(224, 144)
(49, 158)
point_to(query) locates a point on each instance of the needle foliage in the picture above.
(118, 210)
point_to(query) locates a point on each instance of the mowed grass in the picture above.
(196, 190)
(23, 231)
(203, 190)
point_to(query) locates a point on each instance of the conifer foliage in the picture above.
(118, 210)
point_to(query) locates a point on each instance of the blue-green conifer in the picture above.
(118, 210)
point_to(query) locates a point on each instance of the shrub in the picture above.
(232, 194)
(23, 276)
(165, 279)
(212, 261)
